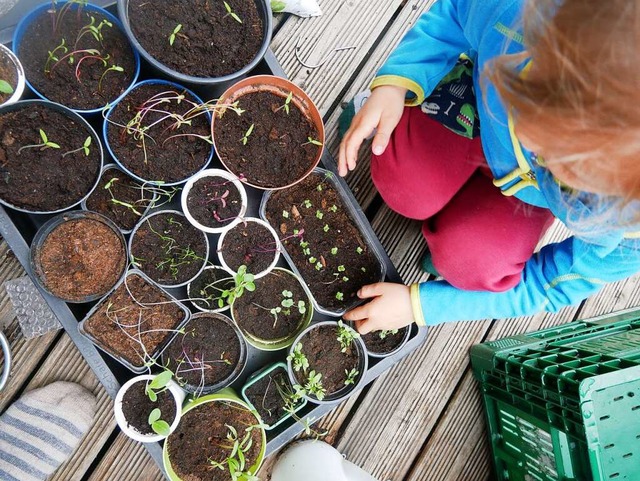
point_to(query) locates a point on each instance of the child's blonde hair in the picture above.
(580, 101)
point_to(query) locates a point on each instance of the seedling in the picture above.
(285, 106)
(231, 13)
(285, 306)
(359, 250)
(307, 203)
(5, 87)
(158, 425)
(333, 208)
(84, 148)
(245, 139)
(311, 140)
(334, 251)
(243, 281)
(157, 385)
(93, 30)
(385, 333)
(325, 228)
(314, 386)
(298, 359)
(53, 56)
(319, 214)
(112, 68)
(340, 296)
(236, 462)
(46, 143)
(346, 336)
(139, 206)
(58, 15)
(172, 37)
(285, 214)
(351, 376)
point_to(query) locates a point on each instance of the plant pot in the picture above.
(42, 181)
(255, 382)
(164, 29)
(210, 275)
(78, 256)
(11, 71)
(286, 141)
(381, 347)
(334, 255)
(159, 313)
(205, 202)
(124, 190)
(263, 256)
(88, 95)
(207, 357)
(205, 405)
(169, 264)
(170, 153)
(328, 351)
(176, 394)
(264, 329)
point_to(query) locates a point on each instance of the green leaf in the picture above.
(53, 145)
(161, 380)
(87, 142)
(277, 6)
(161, 427)
(235, 17)
(153, 397)
(154, 415)
(5, 87)
(43, 136)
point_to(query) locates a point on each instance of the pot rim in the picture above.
(19, 90)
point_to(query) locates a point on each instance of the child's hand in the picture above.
(389, 309)
(382, 110)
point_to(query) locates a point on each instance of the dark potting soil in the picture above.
(210, 43)
(266, 395)
(208, 286)
(9, 74)
(168, 249)
(77, 84)
(125, 190)
(323, 351)
(277, 151)
(214, 201)
(379, 345)
(201, 437)
(167, 159)
(120, 318)
(332, 255)
(252, 309)
(249, 244)
(81, 258)
(42, 179)
(207, 353)
(137, 406)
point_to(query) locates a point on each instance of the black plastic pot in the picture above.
(264, 9)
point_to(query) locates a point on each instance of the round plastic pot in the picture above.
(106, 168)
(277, 248)
(281, 87)
(230, 379)
(346, 391)
(214, 173)
(48, 227)
(226, 395)
(19, 89)
(265, 12)
(255, 377)
(277, 344)
(190, 295)
(6, 369)
(178, 396)
(24, 104)
(19, 32)
(106, 125)
(180, 214)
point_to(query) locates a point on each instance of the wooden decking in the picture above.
(422, 420)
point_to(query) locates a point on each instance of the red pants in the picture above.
(479, 239)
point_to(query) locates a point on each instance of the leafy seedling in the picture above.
(383, 334)
(298, 359)
(85, 148)
(351, 376)
(346, 336)
(231, 13)
(176, 30)
(245, 138)
(312, 141)
(5, 87)
(158, 425)
(46, 143)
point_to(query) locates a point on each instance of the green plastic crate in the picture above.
(564, 403)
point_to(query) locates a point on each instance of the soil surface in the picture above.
(379, 345)
(121, 326)
(208, 286)
(137, 406)
(81, 258)
(277, 152)
(168, 249)
(201, 437)
(124, 189)
(252, 309)
(45, 179)
(77, 84)
(210, 42)
(206, 354)
(332, 255)
(9, 74)
(214, 201)
(266, 395)
(323, 351)
(251, 245)
(167, 159)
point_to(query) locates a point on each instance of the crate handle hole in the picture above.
(635, 408)
(609, 446)
(614, 475)
(628, 455)
(619, 398)
(631, 394)
(604, 418)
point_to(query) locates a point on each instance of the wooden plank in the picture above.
(126, 460)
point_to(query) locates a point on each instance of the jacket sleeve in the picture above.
(428, 51)
(560, 275)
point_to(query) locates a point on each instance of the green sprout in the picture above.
(245, 139)
(351, 376)
(112, 68)
(285, 214)
(307, 203)
(311, 140)
(285, 106)
(333, 208)
(172, 37)
(158, 425)
(85, 148)
(334, 251)
(326, 228)
(5, 87)
(340, 296)
(298, 359)
(231, 13)
(46, 143)
(236, 462)
(319, 214)
(346, 336)
(314, 385)
(52, 58)
(385, 333)
(359, 250)
(158, 385)
(341, 268)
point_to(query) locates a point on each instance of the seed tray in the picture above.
(19, 229)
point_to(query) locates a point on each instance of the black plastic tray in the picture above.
(18, 229)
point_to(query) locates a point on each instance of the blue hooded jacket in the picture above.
(560, 274)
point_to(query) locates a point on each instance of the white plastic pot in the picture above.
(19, 90)
(178, 396)
(214, 173)
(191, 295)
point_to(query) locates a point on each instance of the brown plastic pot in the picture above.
(281, 87)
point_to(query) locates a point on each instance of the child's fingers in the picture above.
(385, 129)
(342, 160)
(364, 326)
(371, 290)
(357, 313)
